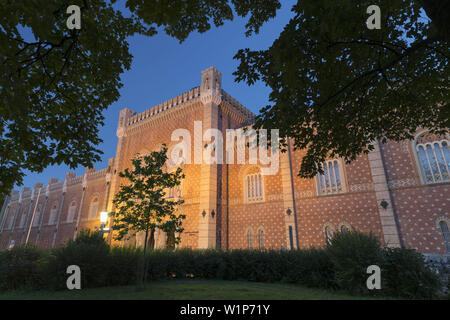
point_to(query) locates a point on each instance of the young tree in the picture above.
(141, 205)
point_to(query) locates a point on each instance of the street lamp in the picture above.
(103, 221)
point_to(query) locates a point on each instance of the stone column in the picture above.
(75, 232)
(114, 163)
(30, 209)
(16, 215)
(58, 220)
(44, 207)
(3, 211)
(383, 195)
(211, 96)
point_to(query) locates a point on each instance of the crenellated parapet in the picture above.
(189, 96)
(250, 116)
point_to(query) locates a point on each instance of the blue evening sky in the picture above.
(163, 68)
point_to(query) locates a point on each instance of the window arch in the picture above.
(331, 181)
(71, 212)
(93, 208)
(52, 218)
(254, 186)
(328, 234)
(433, 157)
(22, 220)
(10, 221)
(250, 238)
(261, 239)
(345, 227)
(445, 234)
(328, 231)
(37, 217)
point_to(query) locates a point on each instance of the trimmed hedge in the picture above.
(22, 268)
(341, 265)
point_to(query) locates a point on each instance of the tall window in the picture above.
(174, 192)
(249, 239)
(52, 218)
(71, 213)
(37, 217)
(22, 220)
(93, 209)
(328, 234)
(434, 157)
(331, 181)
(10, 221)
(254, 187)
(261, 239)
(445, 235)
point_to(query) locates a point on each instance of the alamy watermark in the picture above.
(74, 20)
(374, 280)
(74, 280)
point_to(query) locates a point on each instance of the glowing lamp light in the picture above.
(103, 216)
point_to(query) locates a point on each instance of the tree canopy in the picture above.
(337, 86)
(55, 82)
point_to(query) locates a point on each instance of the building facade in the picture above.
(399, 191)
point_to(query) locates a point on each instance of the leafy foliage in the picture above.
(142, 205)
(55, 82)
(341, 265)
(21, 268)
(351, 252)
(90, 252)
(406, 275)
(337, 86)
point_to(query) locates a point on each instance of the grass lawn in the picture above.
(189, 290)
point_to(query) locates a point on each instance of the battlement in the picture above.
(169, 104)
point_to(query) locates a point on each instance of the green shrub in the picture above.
(90, 252)
(351, 252)
(405, 274)
(311, 267)
(21, 267)
(123, 262)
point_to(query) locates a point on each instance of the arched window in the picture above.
(434, 157)
(37, 217)
(254, 187)
(328, 234)
(52, 218)
(93, 209)
(445, 234)
(261, 239)
(331, 181)
(10, 221)
(71, 212)
(250, 239)
(22, 220)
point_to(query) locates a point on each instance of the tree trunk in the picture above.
(439, 13)
(152, 239)
(152, 236)
(170, 242)
(143, 265)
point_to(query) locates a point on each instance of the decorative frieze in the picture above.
(407, 182)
